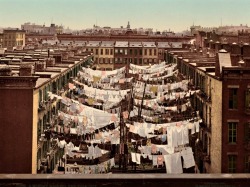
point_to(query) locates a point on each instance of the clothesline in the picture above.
(172, 161)
(100, 73)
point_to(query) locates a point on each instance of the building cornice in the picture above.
(18, 82)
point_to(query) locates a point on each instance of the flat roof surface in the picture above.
(41, 81)
(121, 44)
(135, 44)
(148, 44)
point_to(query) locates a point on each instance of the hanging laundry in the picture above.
(188, 157)
(71, 86)
(96, 79)
(173, 163)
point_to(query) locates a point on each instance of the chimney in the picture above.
(241, 63)
(58, 58)
(222, 59)
(26, 69)
(246, 50)
(50, 62)
(5, 70)
(217, 46)
(235, 49)
(40, 66)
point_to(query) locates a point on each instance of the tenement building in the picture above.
(222, 73)
(26, 110)
(12, 38)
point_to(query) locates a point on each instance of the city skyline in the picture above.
(176, 15)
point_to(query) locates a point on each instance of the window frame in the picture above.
(232, 159)
(232, 132)
(233, 99)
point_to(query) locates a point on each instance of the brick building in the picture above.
(12, 38)
(223, 79)
(26, 110)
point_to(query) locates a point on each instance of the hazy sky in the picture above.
(178, 15)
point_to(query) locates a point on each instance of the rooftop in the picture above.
(121, 44)
(135, 44)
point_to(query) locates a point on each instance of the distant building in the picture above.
(12, 38)
(106, 55)
(42, 29)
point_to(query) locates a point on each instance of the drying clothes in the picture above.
(188, 157)
(154, 157)
(192, 127)
(197, 126)
(172, 136)
(144, 155)
(185, 136)
(125, 114)
(153, 149)
(160, 160)
(96, 79)
(141, 132)
(146, 150)
(163, 137)
(66, 130)
(173, 163)
(133, 157)
(91, 151)
(138, 158)
(154, 89)
(132, 128)
(61, 144)
(179, 134)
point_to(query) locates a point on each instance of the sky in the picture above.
(176, 15)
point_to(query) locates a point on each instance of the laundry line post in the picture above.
(65, 159)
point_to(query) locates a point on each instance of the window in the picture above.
(232, 132)
(247, 100)
(247, 132)
(247, 164)
(116, 51)
(101, 51)
(104, 60)
(232, 163)
(111, 51)
(145, 51)
(140, 51)
(150, 52)
(135, 60)
(131, 52)
(135, 51)
(140, 61)
(233, 98)
(96, 51)
(125, 51)
(121, 51)
(40, 96)
(155, 52)
(210, 119)
(106, 51)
